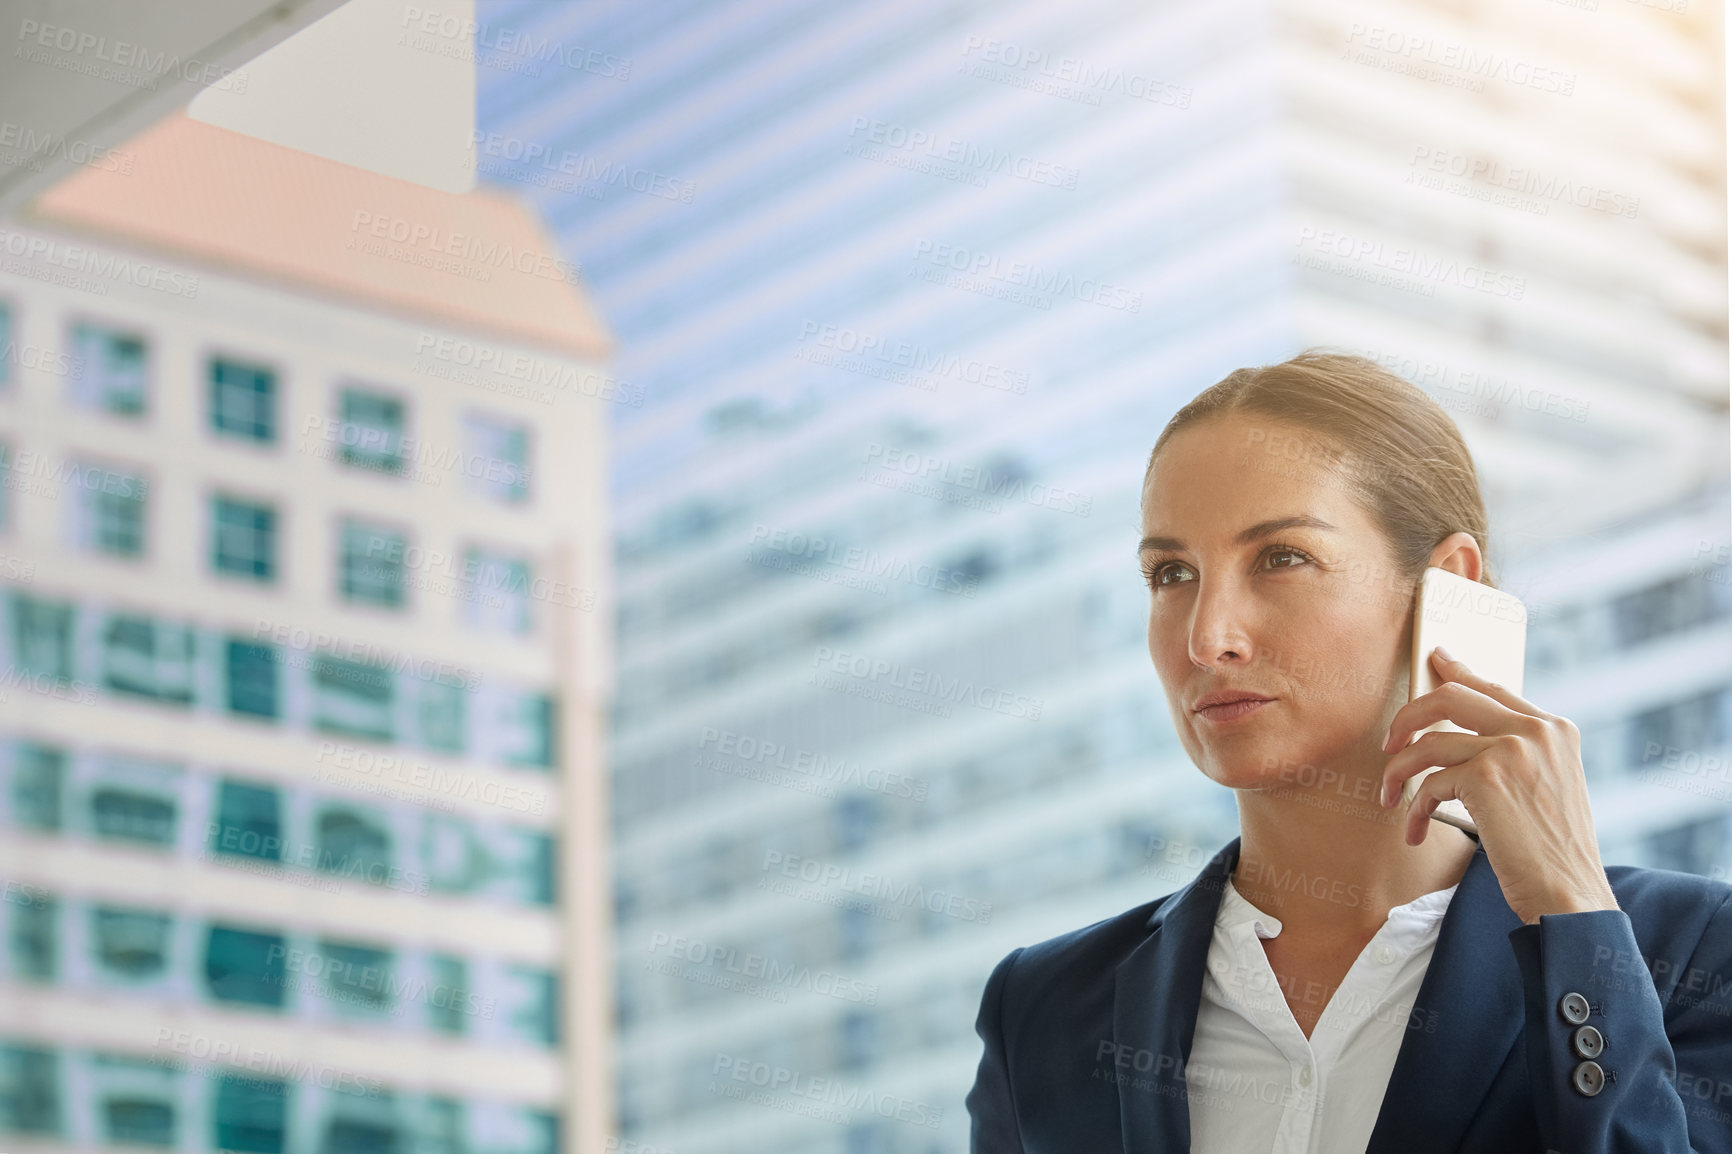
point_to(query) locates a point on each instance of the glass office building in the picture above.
(910, 290)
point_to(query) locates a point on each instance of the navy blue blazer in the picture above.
(1087, 1034)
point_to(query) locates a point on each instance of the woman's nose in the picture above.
(1218, 627)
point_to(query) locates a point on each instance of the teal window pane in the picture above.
(148, 658)
(442, 711)
(33, 935)
(29, 1090)
(252, 678)
(448, 1000)
(131, 1121)
(127, 814)
(38, 779)
(348, 1135)
(250, 1115)
(441, 1127)
(372, 431)
(8, 351)
(129, 944)
(351, 698)
(354, 841)
(370, 565)
(244, 539)
(249, 822)
(116, 517)
(535, 1017)
(529, 731)
(110, 370)
(244, 966)
(42, 637)
(539, 870)
(357, 976)
(545, 1127)
(243, 400)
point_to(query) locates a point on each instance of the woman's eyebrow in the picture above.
(1260, 530)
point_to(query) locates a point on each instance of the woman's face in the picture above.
(1266, 578)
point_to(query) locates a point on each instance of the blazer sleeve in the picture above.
(1661, 1086)
(993, 1128)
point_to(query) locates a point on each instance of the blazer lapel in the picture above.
(1156, 992)
(1467, 1016)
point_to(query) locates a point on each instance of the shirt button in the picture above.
(1589, 1079)
(1385, 954)
(1574, 1008)
(1305, 1075)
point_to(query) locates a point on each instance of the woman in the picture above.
(1347, 975)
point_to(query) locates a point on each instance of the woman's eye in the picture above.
(1154, 574)
(1167, 573)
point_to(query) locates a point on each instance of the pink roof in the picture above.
(478, 261)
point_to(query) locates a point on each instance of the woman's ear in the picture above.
(1459, 554)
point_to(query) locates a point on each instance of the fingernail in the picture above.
(1444, 654)
(1386, 738)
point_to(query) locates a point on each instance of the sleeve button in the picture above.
(1589, 1079)
(1574, 1008)
(1587, 1042)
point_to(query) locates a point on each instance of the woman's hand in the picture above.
(1519, 773)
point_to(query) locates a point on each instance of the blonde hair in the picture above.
(1400, 453)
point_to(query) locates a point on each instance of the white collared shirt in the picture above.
(1256, 1083)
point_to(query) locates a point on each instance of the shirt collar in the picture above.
(1407, 925)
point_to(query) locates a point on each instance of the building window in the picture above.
(370, 565)
(33, 937)
(243, 400)
(534, 997)
(130, 945)
(372, 430)
(354, 841)
(148, 658)
(42, 637)
(496, 591)
(448, 1001)
(351, 698)
(109, 506)
(8, 351)
(442, 711)
(29, 1090)
(525, 730)
(244, 539)
(243, 966)
(252, 678)
(250, 1115)
(38, 777)
(139, 1121)
(496, 458)
(110, 370)
(127, 814)
(357, 977)
(249, 822)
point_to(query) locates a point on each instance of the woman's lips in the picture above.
(1233, 710)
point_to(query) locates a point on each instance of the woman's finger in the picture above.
(1439, 748)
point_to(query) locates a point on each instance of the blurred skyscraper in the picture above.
(911, 289)
(304, 632)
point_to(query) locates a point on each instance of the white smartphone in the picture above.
(1484, 627)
